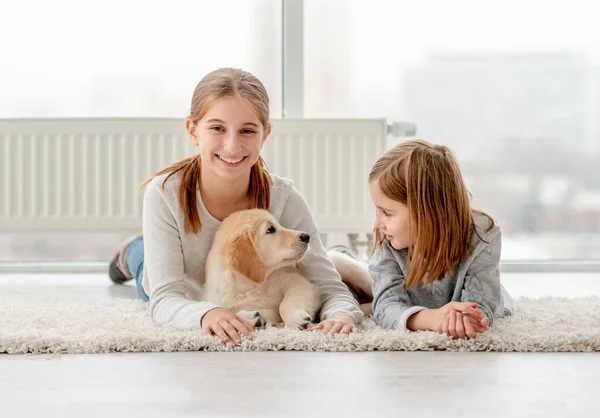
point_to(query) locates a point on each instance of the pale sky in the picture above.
(57, 50)
(395, 34)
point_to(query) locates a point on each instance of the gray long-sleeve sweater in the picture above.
(475, 279)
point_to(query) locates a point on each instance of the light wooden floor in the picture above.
(298, 384)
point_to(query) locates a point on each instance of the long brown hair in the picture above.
(220, 83)
(427, 179)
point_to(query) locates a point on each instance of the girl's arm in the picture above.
(335, 296)
(163, 262)
(391, 303)
(482, 280)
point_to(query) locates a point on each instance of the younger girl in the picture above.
(185, 203)
(435, 263)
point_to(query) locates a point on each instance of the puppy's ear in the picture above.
(245, 259)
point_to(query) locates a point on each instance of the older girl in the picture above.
(185, 203)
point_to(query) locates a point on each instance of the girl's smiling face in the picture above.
(230, 137)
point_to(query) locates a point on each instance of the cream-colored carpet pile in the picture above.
(123, 325)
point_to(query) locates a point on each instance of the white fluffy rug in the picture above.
(123, 325)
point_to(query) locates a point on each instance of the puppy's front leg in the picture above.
(300, 303)
(260, 317)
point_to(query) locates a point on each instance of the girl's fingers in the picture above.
(315, 327)
(335, 329)
(347, 329)
(231, 332)
(468, 309)
(218, 331)
(477, 327)
(460, 326)
(469, 331)
(248, 328)
(326, 326)
(445, 327)
(242, 328)
(452, 324)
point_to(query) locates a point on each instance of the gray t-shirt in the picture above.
(174, 260)
(475, 279)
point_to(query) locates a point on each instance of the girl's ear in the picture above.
(267, 133)
(244, 259)
(191, 129)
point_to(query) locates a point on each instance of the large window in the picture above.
(125, 58)
(130, 58)
(512, 87)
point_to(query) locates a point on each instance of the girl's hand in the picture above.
(439, 320)
(225, 325)
(339, 322)
(462, 320)
(458, 325)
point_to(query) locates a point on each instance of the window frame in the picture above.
(293, 108)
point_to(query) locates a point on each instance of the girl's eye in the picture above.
(385, 213)
(217, 128)
(271, 230)
(247, 131)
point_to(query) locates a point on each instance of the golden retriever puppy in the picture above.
(250, 270)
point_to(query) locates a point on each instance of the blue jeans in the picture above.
(134, 256)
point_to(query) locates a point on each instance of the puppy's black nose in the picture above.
(305, 238)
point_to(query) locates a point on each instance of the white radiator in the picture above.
(83, 174)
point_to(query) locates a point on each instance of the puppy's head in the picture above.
(254, 244)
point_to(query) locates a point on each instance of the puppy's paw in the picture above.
(253, 318)
(298, 319)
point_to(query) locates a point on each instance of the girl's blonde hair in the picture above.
(427, 179)
(224, 82)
